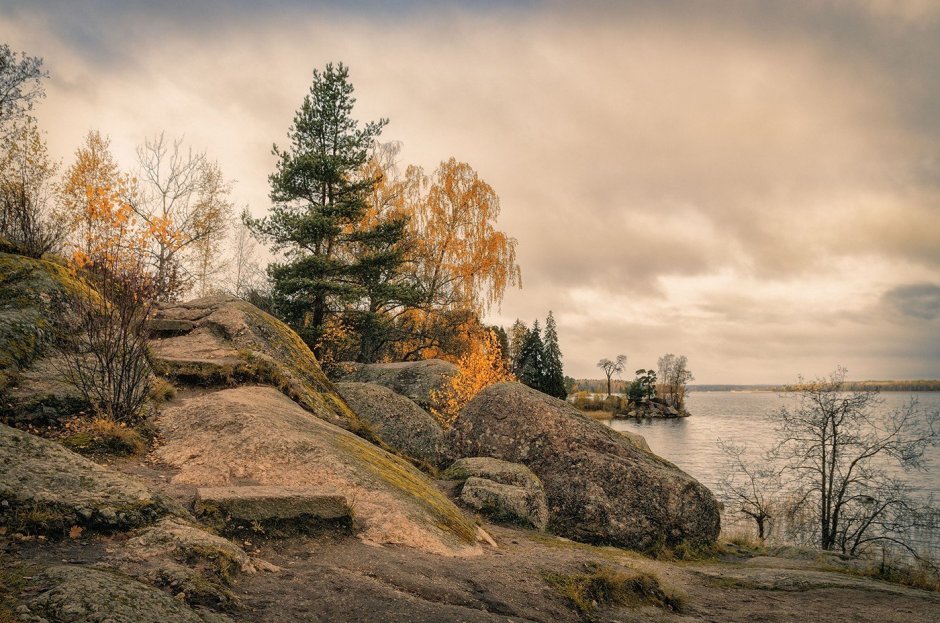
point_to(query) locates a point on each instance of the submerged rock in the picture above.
(396, 420)
(501, 490)
(257, 436)
(416, 380)
(600, 486)
(45, 488)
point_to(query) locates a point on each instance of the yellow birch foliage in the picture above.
(481, 367)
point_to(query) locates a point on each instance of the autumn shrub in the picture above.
(481, 367)
(103, 345)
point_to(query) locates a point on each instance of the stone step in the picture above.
(272, 511)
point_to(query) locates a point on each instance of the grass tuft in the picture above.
(600, 586)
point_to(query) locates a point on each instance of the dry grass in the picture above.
(599, 586)
(102, 436)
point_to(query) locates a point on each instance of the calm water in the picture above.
(747, 417)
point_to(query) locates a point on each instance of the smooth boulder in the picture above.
(396, 420)
(420, 381)
(600, 486)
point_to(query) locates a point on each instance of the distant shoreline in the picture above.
(884, 386)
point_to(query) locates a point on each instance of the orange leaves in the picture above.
(481, 367)
(464, 260)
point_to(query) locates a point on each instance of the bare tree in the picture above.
(611, 368)
(750, 488)
(837, 445)
(246, 275)
(184, 201)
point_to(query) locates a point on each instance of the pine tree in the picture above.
(319, 197)
(553, 382)
(532, 372)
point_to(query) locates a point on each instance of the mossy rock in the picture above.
(86, 595)
(31, 293)
(46, 489)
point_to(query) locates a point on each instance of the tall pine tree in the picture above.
(319, 197)
(532, 370)
(553, 381)
(518, 334)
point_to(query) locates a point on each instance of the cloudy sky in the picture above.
(753, 184)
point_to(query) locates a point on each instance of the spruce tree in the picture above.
(553, 382)
(319, 197)
(532, 371)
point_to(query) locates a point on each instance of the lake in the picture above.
(748, 417)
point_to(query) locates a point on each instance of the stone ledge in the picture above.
(272, 510)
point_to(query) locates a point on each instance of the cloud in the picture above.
(919, 300)
(737, 182)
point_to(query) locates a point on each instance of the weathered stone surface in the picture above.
(47, 488)
(416, 380)
(396, 420)
(501, 490)
(505, 502)
(170, 326)
(600, 487)
(85, 595)
(257, 436)
(272, 510)
(234, 342)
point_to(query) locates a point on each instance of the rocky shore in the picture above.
(269, 493)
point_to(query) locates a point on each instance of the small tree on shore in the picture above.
(611, 368)
(749, 488)
(674, 375)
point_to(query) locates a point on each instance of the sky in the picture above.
(753, 184)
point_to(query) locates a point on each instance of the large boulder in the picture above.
(45, 488)
(222, 340)
(252, 436)
(600, 486)
(501, 490)
(396, 420)
(417, 380)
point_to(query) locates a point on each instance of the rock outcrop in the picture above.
(83, 595)
(501, 490)
(45, 488)
(650, 409)
(257, 436)
(417, 380)
(225, 341)
(599, 485)
(396, 420)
